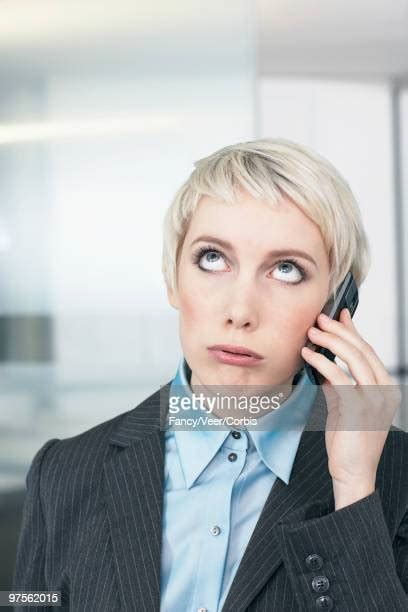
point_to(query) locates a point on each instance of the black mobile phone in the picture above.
(346, 297)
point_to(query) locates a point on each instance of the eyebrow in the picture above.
(275, 252)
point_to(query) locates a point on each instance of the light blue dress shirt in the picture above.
(212, 503)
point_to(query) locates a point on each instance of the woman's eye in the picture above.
(287, 268)
(209, 260)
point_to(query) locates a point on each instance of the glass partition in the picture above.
(97, 131)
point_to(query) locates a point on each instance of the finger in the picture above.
(381, 374)
(346, 329)
(347, 352)
(329, 369)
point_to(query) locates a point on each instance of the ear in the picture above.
(173, 297)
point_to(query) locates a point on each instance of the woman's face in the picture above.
(245, 295)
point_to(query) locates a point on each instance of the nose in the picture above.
(242, 309)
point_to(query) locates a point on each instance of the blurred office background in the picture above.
(104, 106)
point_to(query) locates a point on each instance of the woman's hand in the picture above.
(360, 411)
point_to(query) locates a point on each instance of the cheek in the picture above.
(294, 328)
(193, 311)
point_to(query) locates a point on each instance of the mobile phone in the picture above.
(346, 297)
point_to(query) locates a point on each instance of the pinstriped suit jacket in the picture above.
(92, 525)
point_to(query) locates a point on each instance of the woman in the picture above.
(302, 512)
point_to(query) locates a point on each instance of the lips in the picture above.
(237, 350)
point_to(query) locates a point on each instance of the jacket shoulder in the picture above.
(96, 435)
(77, 460)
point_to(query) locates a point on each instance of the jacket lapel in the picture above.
(134, 498)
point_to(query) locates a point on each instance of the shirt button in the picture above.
(320, 584)
(232, 456)
(202, 610)
(324, 602)
(314, 561)
(236, 435)
(215, 530)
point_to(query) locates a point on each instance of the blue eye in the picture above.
(217, 257)
(198, 255)
(292, 264)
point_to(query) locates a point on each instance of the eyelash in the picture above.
(208, 249)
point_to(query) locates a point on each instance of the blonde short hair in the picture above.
(274, 168)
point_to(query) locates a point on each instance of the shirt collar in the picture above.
(276, 438)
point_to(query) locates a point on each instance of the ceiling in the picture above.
(364, 38)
